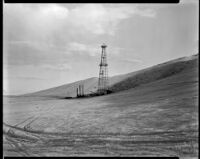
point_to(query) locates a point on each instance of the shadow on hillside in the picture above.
(155, 73)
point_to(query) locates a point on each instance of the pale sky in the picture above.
(47, 45)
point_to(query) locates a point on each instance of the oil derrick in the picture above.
(103, 72)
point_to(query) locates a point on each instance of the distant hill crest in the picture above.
(125, 81)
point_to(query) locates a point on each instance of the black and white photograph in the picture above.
(101, 79)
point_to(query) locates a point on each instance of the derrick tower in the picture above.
(103, 72)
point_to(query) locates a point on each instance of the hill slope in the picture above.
(156, 118)
(157, 72)
(124, 81)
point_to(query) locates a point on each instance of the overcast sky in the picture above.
(47, 45)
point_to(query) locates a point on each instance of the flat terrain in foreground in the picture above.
(155, 119)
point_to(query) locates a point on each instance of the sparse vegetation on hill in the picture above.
(155, 73)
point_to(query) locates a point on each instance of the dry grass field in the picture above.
(155, 117)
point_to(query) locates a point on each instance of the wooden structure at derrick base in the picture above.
(80, 91)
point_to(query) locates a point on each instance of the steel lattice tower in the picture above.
(103, 72)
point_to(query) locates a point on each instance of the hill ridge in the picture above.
(123, 81)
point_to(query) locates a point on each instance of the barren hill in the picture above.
(157, 72)
(157, 116)
(125, 81)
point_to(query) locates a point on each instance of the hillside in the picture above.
(67, 89)
(156, 72)
(159, 117)
(124, 81)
